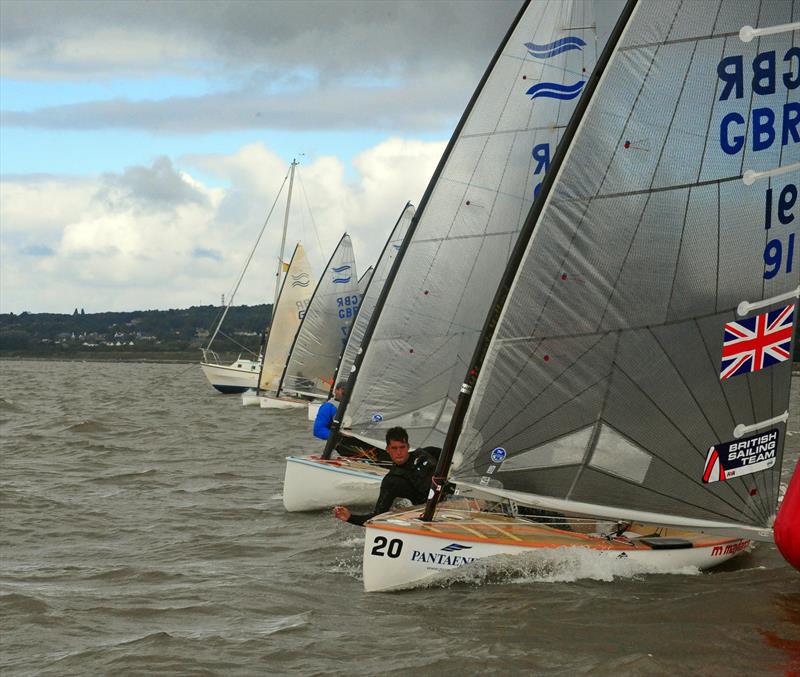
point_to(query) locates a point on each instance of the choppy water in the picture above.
(143, 533)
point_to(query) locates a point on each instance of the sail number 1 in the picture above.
(779, 253)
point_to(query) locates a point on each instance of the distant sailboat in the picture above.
(633, 372)
(293, 299)
(326, 323)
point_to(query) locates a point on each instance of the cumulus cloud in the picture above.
(158, 237)
(150, 188)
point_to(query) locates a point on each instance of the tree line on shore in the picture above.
(177, 333)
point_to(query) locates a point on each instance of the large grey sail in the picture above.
(470, 217)
(373, 290)
(642, 359)
(325, 327)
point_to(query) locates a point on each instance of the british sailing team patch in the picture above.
(741, 457)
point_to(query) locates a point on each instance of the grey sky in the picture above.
(280, 65)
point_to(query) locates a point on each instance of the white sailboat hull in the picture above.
(234, 378)
(313, 408)
(401, 552)
(271, 402)
(251, 398)
(313, 484)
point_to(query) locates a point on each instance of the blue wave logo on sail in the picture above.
(552, 49)
(554, 90)
(339, 271)
(300, 280)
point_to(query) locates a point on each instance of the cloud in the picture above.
(268, 65)
(158, 237)
(81, 38)
(430, 101)
(155, 187)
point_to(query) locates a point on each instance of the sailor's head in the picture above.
(338, 391)
(397, 445)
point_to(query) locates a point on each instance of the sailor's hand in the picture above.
(342, 513)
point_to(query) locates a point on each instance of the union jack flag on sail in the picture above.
(757, 342)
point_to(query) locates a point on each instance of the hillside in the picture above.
(148, 334)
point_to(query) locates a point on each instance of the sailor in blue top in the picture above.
(324, 418)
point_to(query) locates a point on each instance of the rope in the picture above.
(233, 340)
(311, 214)
(247, 263)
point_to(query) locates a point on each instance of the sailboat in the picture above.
(429, 316)
(293, 298)
(322, 333)
(243, 374)
(363, 284)
(312, 482)
(632, 375)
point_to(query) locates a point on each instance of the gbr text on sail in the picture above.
(765, 83)
(764, 75)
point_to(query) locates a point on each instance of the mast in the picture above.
(335, 435)
(283, 238)
(265, 339)
(465, 393)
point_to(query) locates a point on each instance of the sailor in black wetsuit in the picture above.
(409, 477)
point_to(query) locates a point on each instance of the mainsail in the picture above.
(325, 327)
(641, 362)
(373, 289)
(469, 219)
(293, 299)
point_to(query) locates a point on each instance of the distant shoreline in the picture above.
(98, 361)
(118, 357)
(121, 357)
